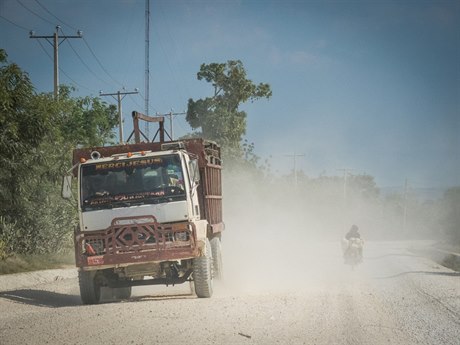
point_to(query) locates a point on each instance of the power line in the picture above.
(61, 21)
(46, 52)
(128, 37)
(85, 64)
(17, 25)
(100, 64)
(181, 84)
(134, 101)
(34, 13)
(60, 69)
(182, 127)
(150, 106)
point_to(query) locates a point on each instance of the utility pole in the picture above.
(295, 155)
(56, 42)
(119, 97)
(346, 172)
(170, 115)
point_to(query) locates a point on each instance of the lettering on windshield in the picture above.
(128, 164)
(120, 197)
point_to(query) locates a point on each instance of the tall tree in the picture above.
(21, 127)
(219, 116)
(37, 135)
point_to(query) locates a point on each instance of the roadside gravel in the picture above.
(393, 297)
(29, 279)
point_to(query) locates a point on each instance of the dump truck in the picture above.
(149, 213)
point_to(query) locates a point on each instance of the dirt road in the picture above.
(393, 297)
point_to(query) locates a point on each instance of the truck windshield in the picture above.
(128, 182)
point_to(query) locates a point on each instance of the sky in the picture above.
(369, 86)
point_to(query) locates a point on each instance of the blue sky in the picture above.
(372, 86)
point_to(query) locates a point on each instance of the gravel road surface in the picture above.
(310, 297)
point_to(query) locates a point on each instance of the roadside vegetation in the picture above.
(38, 134)
(32, 262)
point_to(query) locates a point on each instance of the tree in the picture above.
(37, 135)
(219, 116)
(21, 127)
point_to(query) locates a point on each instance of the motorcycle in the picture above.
(352, 251)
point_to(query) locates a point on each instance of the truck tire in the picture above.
(122, 293)
(202, 273)
(90, 288)
(216, 248)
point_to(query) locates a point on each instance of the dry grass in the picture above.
(27, 263)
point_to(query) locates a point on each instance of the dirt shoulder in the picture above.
(27, 263)
(444, 254)
(28, 279)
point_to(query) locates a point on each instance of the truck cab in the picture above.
(163, 184)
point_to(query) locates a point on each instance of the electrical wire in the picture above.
(84, 63)
(99, 62)
(17, 25)
(182, 84)
(61, 70)
(173, 74)
(43, 48)
(180, 125)
(49, 12)
(134, 101)
(35, 13)
(128, 37)
(150, 106)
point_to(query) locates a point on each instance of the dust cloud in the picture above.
(282, 235)
(276, 238)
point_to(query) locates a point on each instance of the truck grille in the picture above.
(137, 239)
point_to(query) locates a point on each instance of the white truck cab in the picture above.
(163, 184)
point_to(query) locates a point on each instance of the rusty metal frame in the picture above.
(137, 131)
(130, 240)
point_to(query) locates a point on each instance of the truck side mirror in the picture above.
(67, 187)
(194, 172)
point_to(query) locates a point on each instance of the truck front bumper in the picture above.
(135, 240)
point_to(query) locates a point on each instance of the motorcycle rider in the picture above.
(353, 233)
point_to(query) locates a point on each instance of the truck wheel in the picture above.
(202, 273)
(90, 288)
(216, 248)
(122, 293)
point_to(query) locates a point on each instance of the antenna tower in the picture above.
(147, 58)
